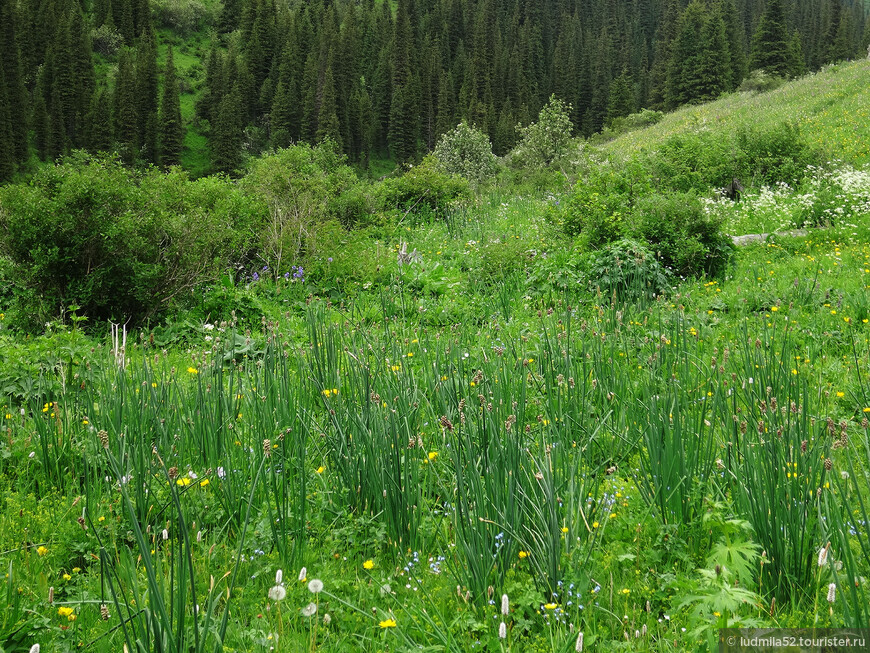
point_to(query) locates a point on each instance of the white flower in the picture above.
(277, 593)
(579, 645)
(502, 630)
(315, 586)
(505, 604)
(823, 556)
(191, 475)
(221, 472)
(199, 536)
(327, 619)
(303, 574)
(34, 648)
(165, 534)
(309, 610)
(832, 592)
(279, 577)
(32, 454)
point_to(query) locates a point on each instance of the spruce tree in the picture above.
(171, 128)
(13, 80)
(715, 73)
(147, 96)
(770, 44)
(126, 117)
(621, 101)
(735, 36)
(99, 122)
(227, 133)
(39, 116)
(796, 64)
(327, 119)
(7, 147)
(686, 74)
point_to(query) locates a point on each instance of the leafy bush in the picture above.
(184, 16)
(759, 81)
(467, 152)
(625, 124)
(299, 189)
(780, 154)
(597, 208)
(106, 40)
(424, 186)
(120, 245)
(696, 162)
(547, 142)
(627, 270)
(686, 238)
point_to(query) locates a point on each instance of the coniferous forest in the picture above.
(380, 79)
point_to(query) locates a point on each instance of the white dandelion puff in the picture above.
(309, 610)
(315, 586)
(277, 593)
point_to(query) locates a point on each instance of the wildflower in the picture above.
(42, 550)
(64, 611)
(183, 481)
(104, 612)
(832, 592)
(369, 565)
(67, 577)
(309, 610)
(303, 574)
(165, 534)
(823, 555)
(277, 593)
(34, 648)
(564, 529)
(502, 630)
(321, 469)
(315, 586)
(551, 606)
(279, 577)
(327, 619)
(595, 524)
(388, 623)
(221, 472)
(579, 645)
(523, 554)
(192, 370)
(505, 604)
(204, 482)
(433, 455)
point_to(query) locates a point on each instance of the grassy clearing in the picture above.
(832, 107)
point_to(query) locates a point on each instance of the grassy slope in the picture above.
(832, 107)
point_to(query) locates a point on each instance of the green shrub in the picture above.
(547, 142)
(467, 152)
(120, 245)
(759, 81)
(780, 154)
(627, 270)
(696, 162)
(687, 239)
(299, 189)
(424, 187)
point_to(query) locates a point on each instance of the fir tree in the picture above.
(7, 147)
(327, 119)
(13, 81)
(621, 100)
(796, 64)
(770, 44)
(171, 128)
(99, 122)
(147, 96)
(227, 134)
(126, 118)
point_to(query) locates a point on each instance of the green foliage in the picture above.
(122, 246)
(184, 16)
(299, 189)
(546, 142)
(780, 154)
(467, 152)
(686, 238)
(760, 81)
(627, 270)
(424, 187)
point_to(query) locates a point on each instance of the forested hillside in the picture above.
(381, 79)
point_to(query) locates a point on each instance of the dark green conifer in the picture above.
(126, 108)
(770, 44)
(171, 128)
(227, 133)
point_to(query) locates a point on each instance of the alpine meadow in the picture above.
(433, 325)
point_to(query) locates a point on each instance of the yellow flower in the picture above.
(564, 529)
(153, 384)
(410, 354)
(85, 422)
(64, 611)
(867, 410)
(327, 392)
(524, 554)
(433, 455)
(71, 617)
(774, 309)
(369, 564)
(388, 623)
(551, 606)
(183, 482)
(717, 614)
(101, 518)
(841, 394)
(626, 591)
(76, 570)
(42, 550)
(595, 524)
(203, 482)
(320, 469)
(192, 370)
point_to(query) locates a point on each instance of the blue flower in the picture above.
(256, 277)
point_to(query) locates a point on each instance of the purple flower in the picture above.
(329, 260)
(256, 277)
(265, 268)
(286, 275)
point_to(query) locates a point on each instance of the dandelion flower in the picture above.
(315, 586)
(277, 593)
(309, 610)
(388, 623)
(369, 564)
